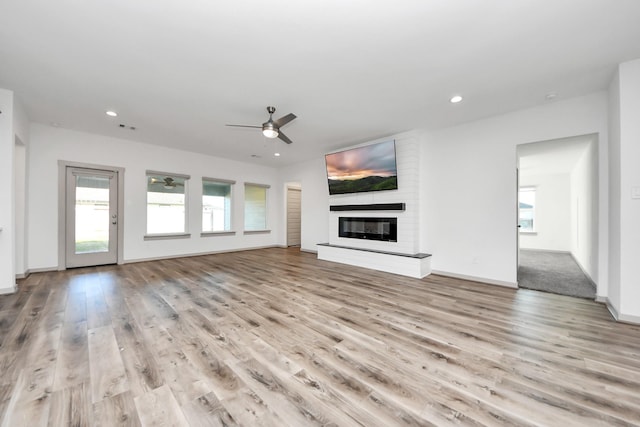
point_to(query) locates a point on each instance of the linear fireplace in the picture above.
(385, 229)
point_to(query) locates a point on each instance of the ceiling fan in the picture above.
(167, 182)
(271, 128)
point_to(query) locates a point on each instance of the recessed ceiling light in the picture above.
(112, 113)
(551, 95)
(276, 154)
(455, 99)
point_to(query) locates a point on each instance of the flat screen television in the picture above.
(362, 169)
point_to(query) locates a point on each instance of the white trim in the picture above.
(513, 285)
(220, 180)
(30, 271)
(256, 231)
(622, 318)
(133, 261)
(545, 250)
(628, 318)
(217, 233)
(177, 175)
(167, 236)
(311, 251)
(11, 290)
(257, 185)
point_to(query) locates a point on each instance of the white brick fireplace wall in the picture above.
(382, 255)
(407, 160)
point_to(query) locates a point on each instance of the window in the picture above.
(166, 208)
(216, 204)
(255, 207)
(526, 209)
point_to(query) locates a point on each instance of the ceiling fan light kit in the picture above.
(269, 131)
(271, 128)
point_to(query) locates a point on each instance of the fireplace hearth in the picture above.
(383, 229)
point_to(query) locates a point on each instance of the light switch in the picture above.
(635, 192)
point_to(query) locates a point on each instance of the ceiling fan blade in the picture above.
(245, 126)
(284, 119)
(284, 137)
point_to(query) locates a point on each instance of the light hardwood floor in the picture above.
(275, 337)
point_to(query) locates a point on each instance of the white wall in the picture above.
(584, 210)
(7, 191)
(49, 144)
(552, 212)
(312, 177)
(469, 185)
(614, 194)
(20, 184)
(21, 149)
(629, 179)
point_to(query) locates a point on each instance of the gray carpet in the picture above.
(553, 272)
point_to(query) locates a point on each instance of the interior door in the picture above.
(517, 219)
(293, 216)
(91, 217)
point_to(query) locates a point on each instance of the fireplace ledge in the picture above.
(419, 256)
(412, 265)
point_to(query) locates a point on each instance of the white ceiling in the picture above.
(558, 156)
(352, 71)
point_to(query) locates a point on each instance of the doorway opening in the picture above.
(90, 207)
(558, 216)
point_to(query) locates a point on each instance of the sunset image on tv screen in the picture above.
(369, 168)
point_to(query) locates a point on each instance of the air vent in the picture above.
(123, 126)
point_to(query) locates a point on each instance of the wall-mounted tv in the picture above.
(368, 168)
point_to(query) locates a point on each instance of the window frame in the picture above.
(231, 183)
(266, 188)
(177, 235)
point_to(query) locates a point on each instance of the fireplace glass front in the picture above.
(385, 229)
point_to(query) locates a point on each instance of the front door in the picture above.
(91, 217)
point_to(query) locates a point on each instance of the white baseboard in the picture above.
(311, 251)
(30, 271)
(476, 279)
(622, 318)
(132, 261)
(545, 250)
(627, 318)
(10, 290)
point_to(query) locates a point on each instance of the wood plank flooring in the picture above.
(275, 337)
